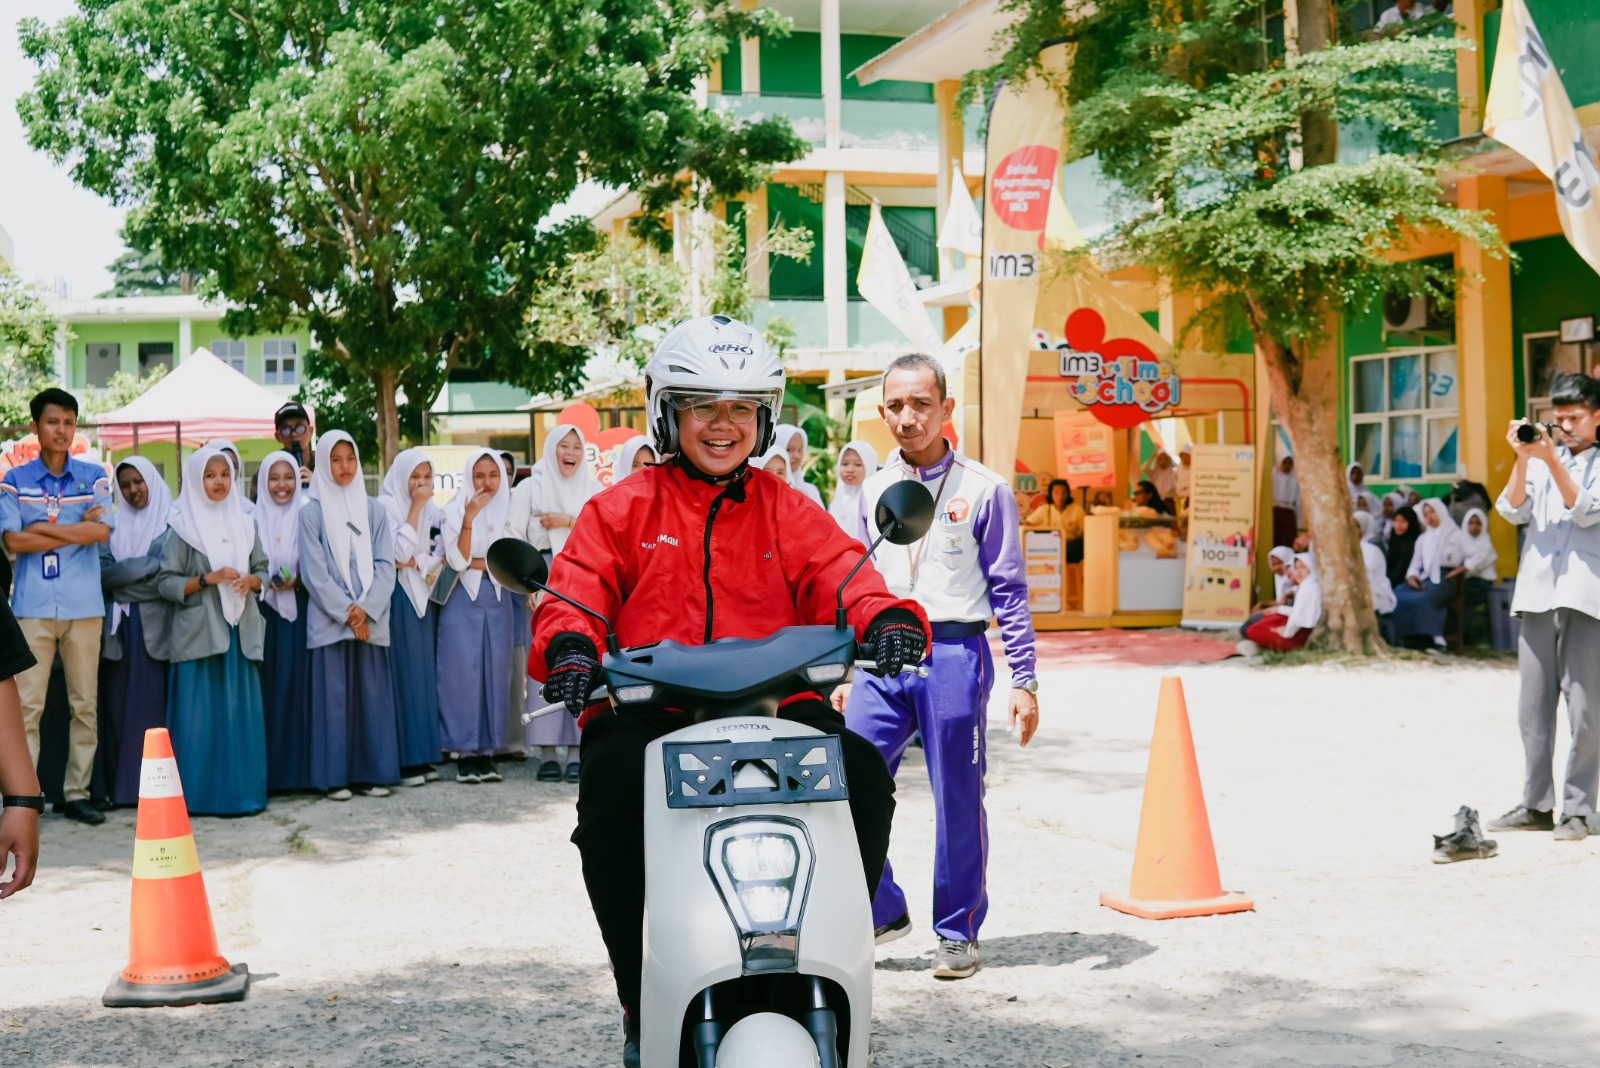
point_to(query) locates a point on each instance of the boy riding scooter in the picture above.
(695, 549)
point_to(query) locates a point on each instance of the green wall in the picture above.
(1549, 282)
(130, 335)
(1571, 31)
(793, 67)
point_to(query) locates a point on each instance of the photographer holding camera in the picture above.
(1554, 491)
(292, 428)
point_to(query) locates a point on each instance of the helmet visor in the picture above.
(739, 406)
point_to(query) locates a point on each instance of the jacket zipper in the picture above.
(711, 518)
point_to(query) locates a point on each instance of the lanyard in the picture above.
(52, 502)
(922, 543)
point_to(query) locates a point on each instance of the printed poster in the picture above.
(1222, 521)
(1084, 448)
(1041, 557)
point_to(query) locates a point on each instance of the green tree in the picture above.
(27, 346)
(143, 272)
(122, 389)
(1225, 147)
(378, 169)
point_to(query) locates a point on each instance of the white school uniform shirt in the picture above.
(1560, 565)
(1383, 598)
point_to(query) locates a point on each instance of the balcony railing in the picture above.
(880, 125)
(867, 328)
(803, 112)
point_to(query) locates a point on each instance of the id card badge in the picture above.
(52, 565)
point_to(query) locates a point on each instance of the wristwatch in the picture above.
(35, 803)
(202, 582)
(1032, 686)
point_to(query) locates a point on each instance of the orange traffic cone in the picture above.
(1174, 863)
(172, 947)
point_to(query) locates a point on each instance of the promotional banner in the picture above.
(1528, 109)
(1084, 451)
(1023, 154)
(447, 462)
(1041, 555)
(1222, 524)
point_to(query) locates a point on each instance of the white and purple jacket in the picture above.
(969, 567)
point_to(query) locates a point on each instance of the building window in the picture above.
(154, 354)
(278, 358)
(1403, 414)
(231, 352)
(1544, 356)
(101, 360)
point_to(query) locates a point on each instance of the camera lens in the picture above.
(1527, 433)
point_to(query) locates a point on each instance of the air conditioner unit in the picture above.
(1404, 314)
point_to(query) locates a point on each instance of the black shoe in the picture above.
(83, 812)
(1572, 829)
(549, 771)
(572, 771)
(101, 804)
(1465, 843)
(892, 930)
(1523, 818)
(630, 1044)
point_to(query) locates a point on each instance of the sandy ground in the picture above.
(449, 924)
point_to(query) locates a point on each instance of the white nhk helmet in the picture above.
(712, 358)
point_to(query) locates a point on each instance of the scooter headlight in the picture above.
(762, 868)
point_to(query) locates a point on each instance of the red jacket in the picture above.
(638, 556)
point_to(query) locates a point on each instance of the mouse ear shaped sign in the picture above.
(1120, 380)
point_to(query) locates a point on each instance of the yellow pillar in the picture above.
(750, 59)
(1485, 358)
(755, 243)
(1470, 87)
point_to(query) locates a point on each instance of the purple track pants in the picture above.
(948, 709)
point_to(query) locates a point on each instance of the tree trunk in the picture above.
(388, 417)
(1302, 383)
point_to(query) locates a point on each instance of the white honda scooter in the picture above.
(758, 947)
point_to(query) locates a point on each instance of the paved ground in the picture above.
(448, 924)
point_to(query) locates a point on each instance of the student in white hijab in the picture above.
(407, 499)
(1286, 628)
(133, 667)
(286, 663)
(546, 505)
(237, 460)
(1479, 566)
(1424, 601)
(213, 571)
(1280, 561)
(632, 456)
(347, 566)
(792, 440)
(543, 511)
(476, 622)
(775, 462)
(857, 462)
(1362, 498)
(1377, 566)
(1287, 518)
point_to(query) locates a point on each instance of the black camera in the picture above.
(1528, 433)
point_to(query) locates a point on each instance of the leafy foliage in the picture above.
(27, 346)
(378, 169)
(143, 272)
(123, 388)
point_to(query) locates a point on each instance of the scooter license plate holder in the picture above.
(778, 771)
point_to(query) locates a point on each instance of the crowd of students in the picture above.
(1419, 556)
(306, 636)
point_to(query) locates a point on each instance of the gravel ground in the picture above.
(449, 924)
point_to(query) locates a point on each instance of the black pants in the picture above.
(610, 833)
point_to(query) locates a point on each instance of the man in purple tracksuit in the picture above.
(968, 568)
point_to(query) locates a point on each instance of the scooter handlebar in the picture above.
(919, 670)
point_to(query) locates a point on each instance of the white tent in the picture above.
(202, 398)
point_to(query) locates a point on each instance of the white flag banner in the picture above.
(963, 228)
(885, 282)
(1529, 110)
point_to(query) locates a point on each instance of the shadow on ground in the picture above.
(1044, 949)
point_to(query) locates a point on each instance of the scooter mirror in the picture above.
(905, 512)
(517, 566)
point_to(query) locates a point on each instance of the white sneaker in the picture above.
(955, 959)
(414, 780)
(373, 791)
(341, 794)
(1248, 648)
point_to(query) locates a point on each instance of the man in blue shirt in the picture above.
(54, 513)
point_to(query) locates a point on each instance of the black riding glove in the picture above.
(897, 641)
(574, 671)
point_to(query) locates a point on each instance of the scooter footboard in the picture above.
(774, 771)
